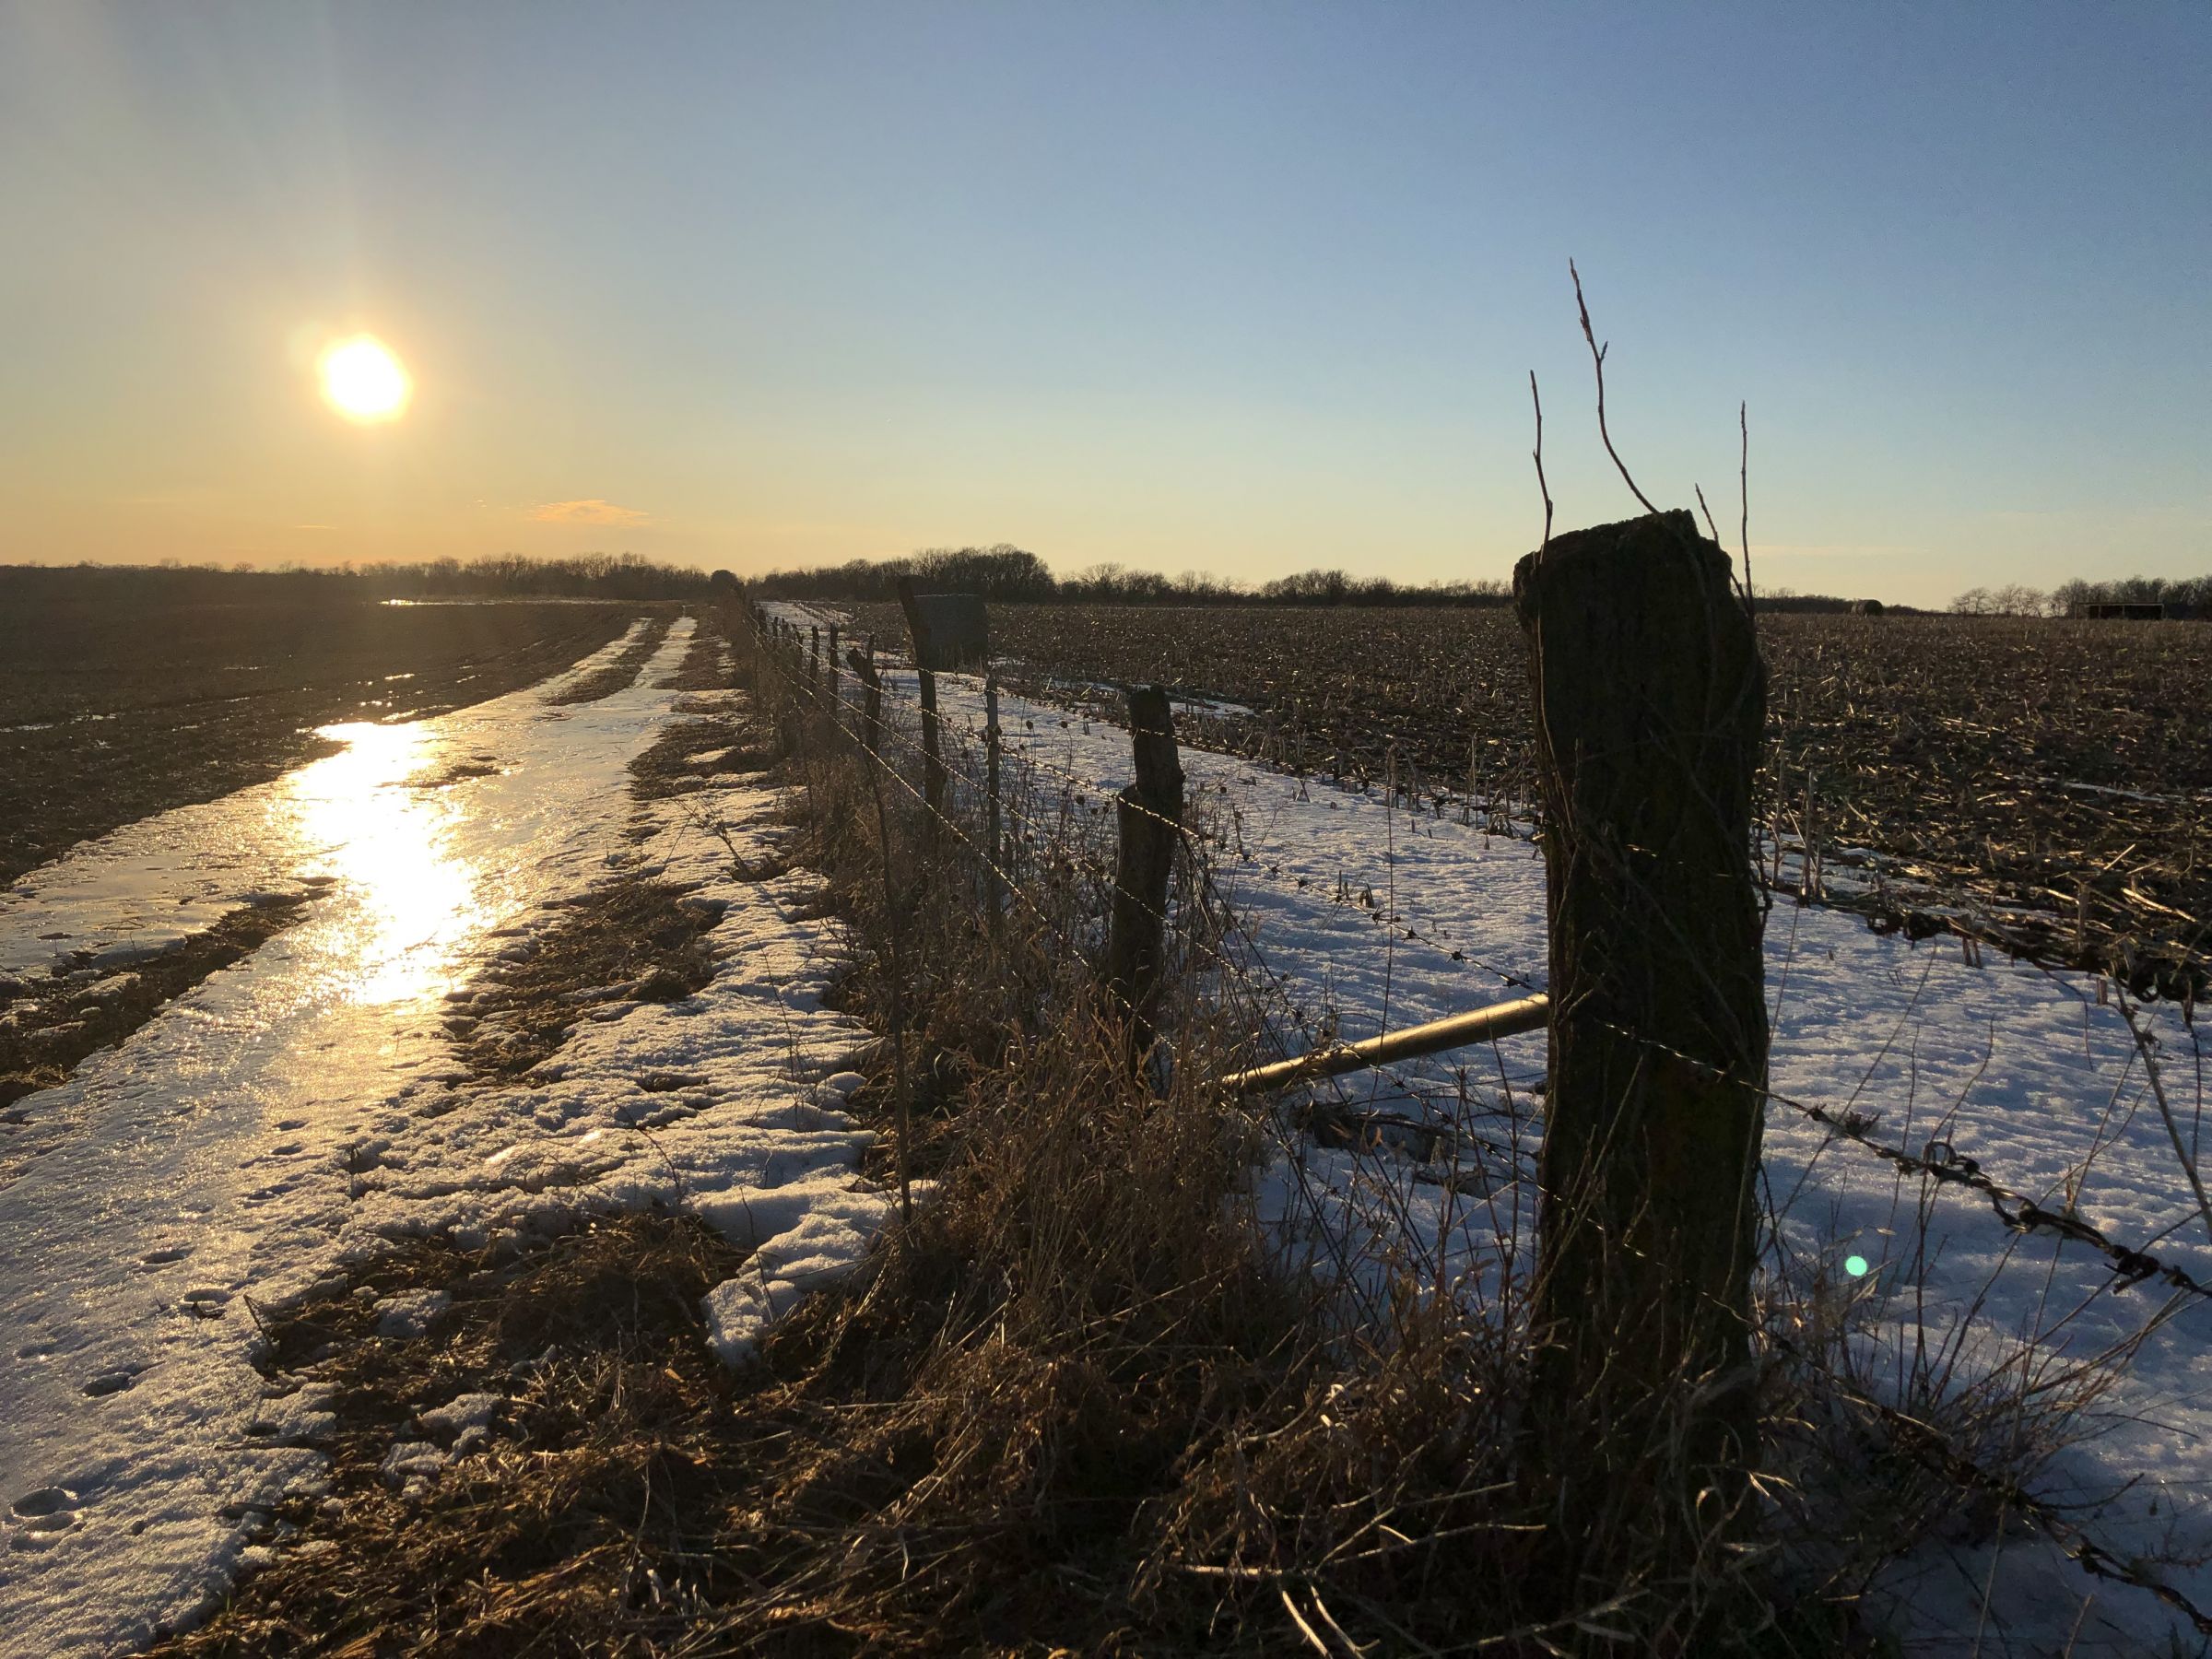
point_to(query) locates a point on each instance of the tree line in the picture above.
(620, 576)
(2193, 592)
(1008, 573)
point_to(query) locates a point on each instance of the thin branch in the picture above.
(1743, 486)
(1598, 359)
(2146, 1046)
(1543, 489)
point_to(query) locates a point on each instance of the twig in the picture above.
(1597, 359)
(1712, 529)
(897, 990)
(1543, 489)
(1743, 496)
(2158, 1093)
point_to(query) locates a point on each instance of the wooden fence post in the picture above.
(932, 762)
(1147, 817)
(991, 824)
(814, 659)
(834, 710)
(1650, 702)
(863, 669)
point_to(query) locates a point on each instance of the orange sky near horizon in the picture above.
(1241, 291)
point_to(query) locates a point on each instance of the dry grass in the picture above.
(582, 1524)
(1079, 1408)
(630, 940)
(1073, 1406)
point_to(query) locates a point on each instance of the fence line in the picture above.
(1938, 1161)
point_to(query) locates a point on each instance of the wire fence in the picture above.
(1207, 927)
(1939, 1159)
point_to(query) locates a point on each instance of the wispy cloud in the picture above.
(592, 512)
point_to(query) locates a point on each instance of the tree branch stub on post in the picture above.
(1649, 698)
(1149, 817)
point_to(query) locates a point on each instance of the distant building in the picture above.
(2104, 610)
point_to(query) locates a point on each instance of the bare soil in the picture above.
(114, 706)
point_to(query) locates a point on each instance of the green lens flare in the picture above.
(1855, 1267)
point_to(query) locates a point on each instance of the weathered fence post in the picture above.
(991, 824)
(814, 659)
(1147, 817)
(835, 711)
(932, 762)
(1650, 701)
(863, 670)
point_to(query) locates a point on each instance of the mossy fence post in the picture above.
(1650, 699)
(1147, 820)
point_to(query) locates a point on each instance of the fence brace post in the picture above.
(1148, 819)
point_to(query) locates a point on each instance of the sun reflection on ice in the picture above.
(406, 898)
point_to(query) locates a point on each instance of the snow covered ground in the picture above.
(2032, 1074)
(302, 1109)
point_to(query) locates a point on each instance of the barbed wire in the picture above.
(798, 681)
(1940, 1161)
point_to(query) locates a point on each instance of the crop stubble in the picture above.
(2037, 785)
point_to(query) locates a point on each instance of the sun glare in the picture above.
(363, 380)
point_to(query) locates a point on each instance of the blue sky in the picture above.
(1226, 288)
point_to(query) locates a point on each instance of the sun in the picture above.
(363, 380)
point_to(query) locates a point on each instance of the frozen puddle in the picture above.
(297, 1112)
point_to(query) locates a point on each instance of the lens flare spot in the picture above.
(363, 380)
(1855, 1266)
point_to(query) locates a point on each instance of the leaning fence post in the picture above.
(991, 847)
(1650, 701)
(932, 762)
(1147, 817)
